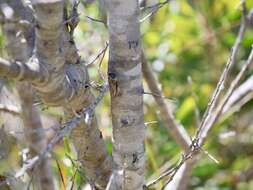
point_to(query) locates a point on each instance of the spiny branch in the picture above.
(231, 61)
(217, 113)
(213, 113)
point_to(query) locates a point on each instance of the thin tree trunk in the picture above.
(19, 51)
(125, 80)
(41, 174)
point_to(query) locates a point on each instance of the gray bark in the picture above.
(125, 79)
(20, 51)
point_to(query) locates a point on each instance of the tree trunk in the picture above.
(125, 80)
(20, 51)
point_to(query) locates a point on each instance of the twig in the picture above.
(150, 123)
(101, 60)
(101, 53)
(61, 175)
(216, 115)
(160, 96)
(153, 9)
(238, 105)
(14, 110)
(178, 132)
(198, 141)
(172, 172)
(211, 115)
(65, 129)
(96, 20)
(231, 61)
(242, 91)
(73, 180)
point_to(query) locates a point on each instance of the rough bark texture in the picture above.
(125, 81)
(18, 50)
(62, 80)
(42, 174)
(66, 87)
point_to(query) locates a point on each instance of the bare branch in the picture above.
(32, 72)
(153, 9)
(19, 50)
(198, 141)
(242, 91)
(216, 115)
(101, 53)
(212, 114)
(231, 61)
(177, 131)
(14, 110)
(64, 130)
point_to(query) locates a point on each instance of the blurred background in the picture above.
(187, 43)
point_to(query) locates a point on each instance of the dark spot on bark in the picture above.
(133, 44)
(11, 32)
(79, 111)
(87, 148)
(49, 11)
(112, 75)
(124, 122)
(114, 86)
(101, 135)
(37, 26)
(71, 42)
(140, 90)
(135, 158)
(86, 86)
(45, 180)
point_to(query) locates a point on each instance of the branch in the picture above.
(216, 115)
(240, 93)
(212, 113)
(14, 110)
(153, 9)
(64, 130)
(199, 140)
(231, 61)
(18, 50)
(177, 131)
(32, 72)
